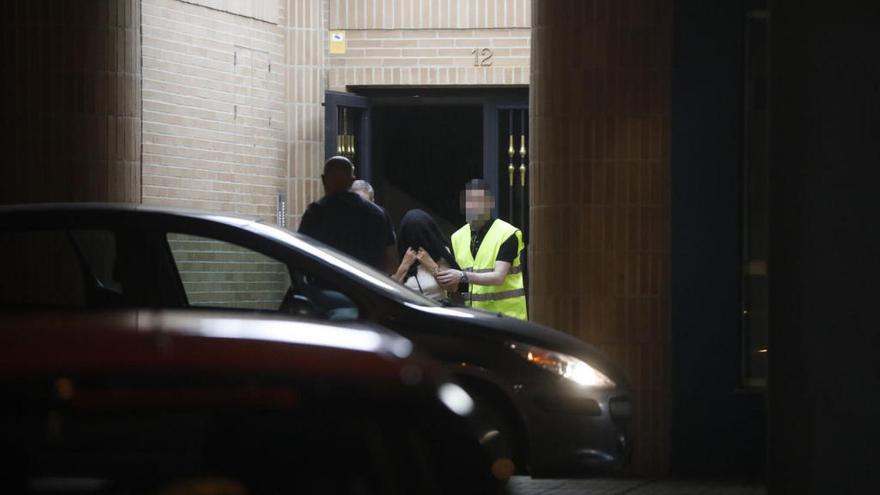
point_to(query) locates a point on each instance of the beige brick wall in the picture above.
(427, 57)
(306, 81)
(232, 102)
(214, 109)
(430, 43)
(429, 14)
(265, 10)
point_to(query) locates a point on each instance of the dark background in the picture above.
(825, 248)
(717, 424)
(426, 153)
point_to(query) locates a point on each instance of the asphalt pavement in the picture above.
(521, 485)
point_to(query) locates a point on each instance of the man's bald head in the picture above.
(338, 175)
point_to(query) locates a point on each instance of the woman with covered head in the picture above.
(425, 251)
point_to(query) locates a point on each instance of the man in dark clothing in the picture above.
(343, 220)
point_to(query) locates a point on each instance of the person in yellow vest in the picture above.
(488, 250)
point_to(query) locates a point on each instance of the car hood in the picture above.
(505, 329)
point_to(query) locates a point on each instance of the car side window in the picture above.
(217, 273)
(59, 269)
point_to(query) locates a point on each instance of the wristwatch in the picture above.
(464, 278)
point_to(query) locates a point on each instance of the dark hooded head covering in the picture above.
(418, 230)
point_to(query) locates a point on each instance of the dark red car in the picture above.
(144, 401)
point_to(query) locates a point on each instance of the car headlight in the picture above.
(564, 365)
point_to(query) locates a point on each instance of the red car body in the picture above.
(145, 401)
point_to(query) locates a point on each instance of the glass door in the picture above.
(513, 167)
(347, 130)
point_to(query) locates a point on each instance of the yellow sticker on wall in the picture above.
(337, 42)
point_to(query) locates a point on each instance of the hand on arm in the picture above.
(434, 268)
(450, 286)
(408, 259)
(495, 277)
(427, 261)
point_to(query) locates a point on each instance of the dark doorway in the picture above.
(422, 156)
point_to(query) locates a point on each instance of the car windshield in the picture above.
(344, 263)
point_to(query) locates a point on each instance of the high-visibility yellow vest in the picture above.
(509, 298)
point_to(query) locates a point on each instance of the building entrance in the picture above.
(422, 155)
(418, 147)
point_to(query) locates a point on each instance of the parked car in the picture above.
(194, 402)
(546, 401)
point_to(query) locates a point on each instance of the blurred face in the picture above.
(478, 204)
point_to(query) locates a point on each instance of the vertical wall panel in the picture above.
(72, 101)
(307, 47)
(600, 252)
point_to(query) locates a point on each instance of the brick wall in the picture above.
(215, 135)
(599, 195)
(71, 100)
(233, 101)
(306, 80)
(429, 14)
(427, 43)
(427, 57)
(265, 10)
(214, 119)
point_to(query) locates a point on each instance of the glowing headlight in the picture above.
(564, 365)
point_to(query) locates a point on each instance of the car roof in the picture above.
(88, 207)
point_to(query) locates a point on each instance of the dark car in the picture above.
(152, 401)
(545, 400)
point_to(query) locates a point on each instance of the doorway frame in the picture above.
(490, 99)
(335, 99)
